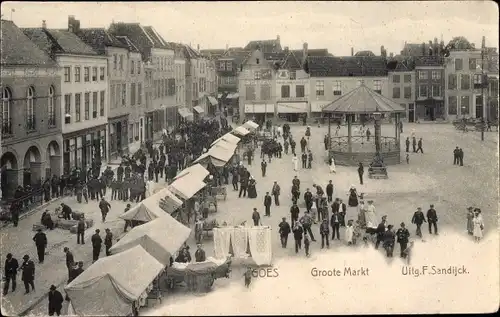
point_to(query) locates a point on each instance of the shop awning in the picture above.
(217, 155)
(196, 170)
(317, 106)
(226, 145)
(235, 95)
(259, 108)
(250, 125)
(229, 95)
(164, 199)
(199, 109)
(240, 131)
(228, 137)
(295, 107)
(186, 187)
(219, 96)
(213, 101)
(185, 112)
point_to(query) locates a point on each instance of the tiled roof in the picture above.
(275, 56)
(363, 100)
(404, 65)
(213, 53)
(99, 39)
(364, 53)
(346, 66)
(318, 52)
(58, 41)
(144, 38)
(266, 46)
(291, 62)
(18, 49)
(429, 61)
(191, 52)
(125, 41)
(158, 41)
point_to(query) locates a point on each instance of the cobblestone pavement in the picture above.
(430, 178)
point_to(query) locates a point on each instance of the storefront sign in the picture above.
(297, 107)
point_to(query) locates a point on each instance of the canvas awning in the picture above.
(229, 95)
(199, 109)
(163, 199)
(292, 107)
(228, 137)
(250, 125)
(259, 108)
(213, 101)
(226, 145)
(217, 155)
(142, 213)
(240, 131)
(161, 238)
(110, 285)
(186, 187)
(184, 112)
(219, 96)
(235, 95)
(196, 170)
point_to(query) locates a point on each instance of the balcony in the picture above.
(6, 128)
(30, 123)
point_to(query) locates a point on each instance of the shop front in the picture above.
(118, 136)
(259, 113)
(291, 111)
(429, 109)
(317, 108)
(198, 112)
(185, 114)
(213, 105)
(81, 147)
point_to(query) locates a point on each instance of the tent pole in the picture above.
(349, 133)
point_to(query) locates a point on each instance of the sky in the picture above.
(337, 26)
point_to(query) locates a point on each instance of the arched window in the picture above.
(51, 105)
(30, 109)
(6, 111)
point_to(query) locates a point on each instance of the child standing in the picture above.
(407, 158)
(349, 233)
(248, 277)
(306, 245)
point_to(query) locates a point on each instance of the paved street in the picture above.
(430, 178)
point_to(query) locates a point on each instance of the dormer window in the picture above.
(257, 61)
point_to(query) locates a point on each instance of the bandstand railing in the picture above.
(363, 144)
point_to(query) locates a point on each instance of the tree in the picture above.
(460, 43)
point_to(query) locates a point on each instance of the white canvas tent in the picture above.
(196, 170)
(109, 286)
(161, 238)
(186, 187)
(228, 137)
(170, 201)
(240, 131)
(142, 212)
(217, 155)
(250, 125)
(226, 145)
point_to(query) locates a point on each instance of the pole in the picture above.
(482, 93)
(329, 146)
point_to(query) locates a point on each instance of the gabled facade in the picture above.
(265, 46)
(84, 90)
(180, 80)
(402, 87)
(332, 77)
(158, 57)
(228, 68)
(257, 86)
(31, 112)
(429, 88)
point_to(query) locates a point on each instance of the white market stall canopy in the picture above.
(165, 200)
(187, 186)
(225, 145)
(228, 137)
(199, 109)
(185, 113)
(218, 155)
(111, 284)
(195, 170)
(161, 238)
(241, 131)
(250, 125)
(212, 100)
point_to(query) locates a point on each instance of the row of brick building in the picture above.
(265, 79)
(76, 94)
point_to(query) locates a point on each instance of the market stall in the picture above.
(112, 285)
(228, 137)
(196, 169)
(198, 276)
(142, 213)
(217, 155)
(250, 125)
(240, 131)
(187, 186)
(161, 238)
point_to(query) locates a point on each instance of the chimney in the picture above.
(44, 24)
(383, 52)
(483, 42)
(305, 49)
(198, 47)
(352, 51)
(431, 49)
(286, 49)
(278, 38)
(71, 20)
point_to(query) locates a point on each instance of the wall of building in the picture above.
(401, 89)
(460, 99)
(36, 151)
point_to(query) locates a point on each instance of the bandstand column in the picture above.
(349, 133)
(377, 133)
(329, 134)
(397, 135)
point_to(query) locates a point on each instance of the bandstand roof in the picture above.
(363, 100)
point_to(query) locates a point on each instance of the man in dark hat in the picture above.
(96, 245)
(108, 241)
(55, 301)
(41, 244)
(28, 275)
(256, 217)
(267, 204)
(284, 231)
(70, 261)
(432, 219)
(11, 266)
(403, 236)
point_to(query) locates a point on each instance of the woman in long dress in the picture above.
(470, 221)
(361, 214)
(332, 165)
(353, 197)
(478, 226)
(252, 191)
